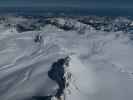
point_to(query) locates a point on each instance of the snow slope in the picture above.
(100, 62)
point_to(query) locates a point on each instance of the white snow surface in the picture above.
(101, 64)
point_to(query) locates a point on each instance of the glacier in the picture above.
(99, 49)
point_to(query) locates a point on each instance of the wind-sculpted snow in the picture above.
(33, 64)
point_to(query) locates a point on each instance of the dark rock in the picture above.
(23, 28)
(41, 98)
(38, 38)
(57, 74)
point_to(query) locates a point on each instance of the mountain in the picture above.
(66, 58)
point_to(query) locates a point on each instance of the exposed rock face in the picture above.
(108, 24)
(57, 73)
(22, 28)
(38, 38)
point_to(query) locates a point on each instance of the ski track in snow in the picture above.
(101, 64)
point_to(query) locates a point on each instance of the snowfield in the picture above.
(100, 65)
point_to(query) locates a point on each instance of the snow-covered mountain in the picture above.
(66, 58)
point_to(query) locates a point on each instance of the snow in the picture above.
(101, 63)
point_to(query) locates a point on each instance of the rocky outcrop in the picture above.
(22, 28)
(108, 24)
(57, 74)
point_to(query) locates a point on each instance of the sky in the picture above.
(73, 3)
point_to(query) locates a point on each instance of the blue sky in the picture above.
(73, 3)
